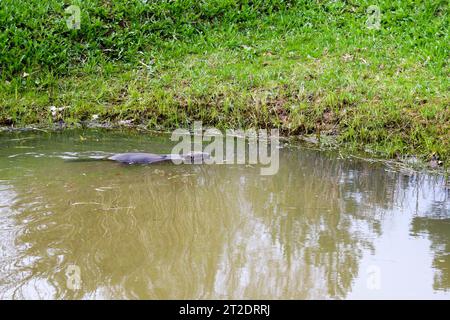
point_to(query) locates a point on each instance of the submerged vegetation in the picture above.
(305, 67)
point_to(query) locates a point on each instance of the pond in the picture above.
(323, 227)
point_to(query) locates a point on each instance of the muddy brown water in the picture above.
(323, 227)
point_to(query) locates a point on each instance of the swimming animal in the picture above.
(148, 158)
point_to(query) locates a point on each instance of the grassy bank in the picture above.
(302, 66)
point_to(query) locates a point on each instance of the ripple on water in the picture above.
(311, 231)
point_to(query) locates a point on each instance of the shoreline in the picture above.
(408, 163)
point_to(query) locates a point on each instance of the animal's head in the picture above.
(195, 157)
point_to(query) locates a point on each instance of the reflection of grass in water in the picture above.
(437, 230)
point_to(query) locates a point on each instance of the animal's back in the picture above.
(144, 158)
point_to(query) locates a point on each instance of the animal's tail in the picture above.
(86, 156)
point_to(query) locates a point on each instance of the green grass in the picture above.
(302, 66)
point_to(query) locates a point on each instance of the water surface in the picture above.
(322, 228)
